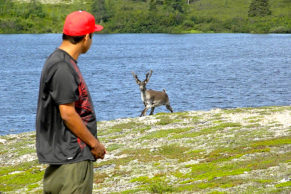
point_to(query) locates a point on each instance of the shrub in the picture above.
(280, 29)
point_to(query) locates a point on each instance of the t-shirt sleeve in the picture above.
(64, 87)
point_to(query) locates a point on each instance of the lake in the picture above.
(198, 71)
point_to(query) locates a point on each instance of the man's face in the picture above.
(87, 43)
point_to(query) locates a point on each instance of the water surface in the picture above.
(199, 72)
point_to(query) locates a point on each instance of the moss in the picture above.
(216, 174)
(285, 184)
(272, 142)
(217, 192)
(235, 110)
(21, 167)
(182, 115)
(187, 135)
(121, 128)
(27, 175)
(263, 181)
(173, 151)
(255, 120)
(208, 130)
(166, 133)
(216, 117)
(226, 125)
(186, 116)
(142, 155)
(143, 179)
(211, 171)
(117, 162)
(32, 186)
(216, 183)
(113, 147)
(129, 125)
(164, 120)
(160, 187)
(265, 161)
(120, 173)
(142, 129)
(252, 126)
(162, 114)
(25, 150)
(220, 127)
(276, 108)
(157, 184)
(132, 191)
(225, 154)
(32, 136)
(195, 151)
(100, 177)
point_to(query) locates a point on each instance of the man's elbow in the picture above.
(67, 111)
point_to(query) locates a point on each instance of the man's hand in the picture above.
(74, 122)
(98, 151)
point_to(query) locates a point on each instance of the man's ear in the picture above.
(87, 37)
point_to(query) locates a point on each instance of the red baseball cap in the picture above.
(79, 23)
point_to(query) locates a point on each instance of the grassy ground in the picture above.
(245, 150)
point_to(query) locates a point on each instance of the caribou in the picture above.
(151, 98)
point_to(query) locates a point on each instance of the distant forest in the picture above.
(152, 16)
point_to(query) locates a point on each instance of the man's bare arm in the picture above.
(74, 122)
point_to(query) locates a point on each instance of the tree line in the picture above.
(145, 16)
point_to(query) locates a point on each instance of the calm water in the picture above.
(199, 72)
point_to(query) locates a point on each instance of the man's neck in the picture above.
(72, 49)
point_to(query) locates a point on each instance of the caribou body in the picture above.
(151, 98)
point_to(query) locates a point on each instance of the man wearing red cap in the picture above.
(66, 129)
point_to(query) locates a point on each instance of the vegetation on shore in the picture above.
(151, 16)
(243, 150)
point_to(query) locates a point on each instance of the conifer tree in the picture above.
(177, 5)
(259, 8)
(100, 11)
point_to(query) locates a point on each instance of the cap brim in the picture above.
(98, 28)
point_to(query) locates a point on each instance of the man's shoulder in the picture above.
(57, 59)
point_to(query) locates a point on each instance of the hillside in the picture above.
(149, 16)
(243, 150)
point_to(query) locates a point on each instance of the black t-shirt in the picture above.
(62, 83)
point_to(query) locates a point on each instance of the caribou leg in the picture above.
(169, 108)
(152, 110)
(143, 113)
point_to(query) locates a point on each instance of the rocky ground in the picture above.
(245, 150)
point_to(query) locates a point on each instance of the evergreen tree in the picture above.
(35, 9)
(177, 5)
(152, 5)
(99, 10)
(259, 8)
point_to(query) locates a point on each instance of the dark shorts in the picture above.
(69, 178)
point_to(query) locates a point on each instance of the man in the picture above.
(66, 129)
